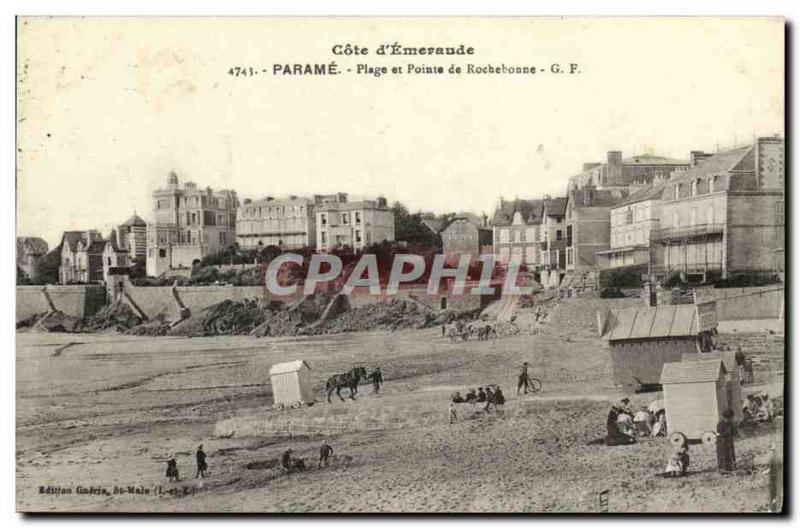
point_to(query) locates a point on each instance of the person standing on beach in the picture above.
(726, 455)
(201, 462)
(524, 380)
(377, 380)
(172, 469)
(325, 452)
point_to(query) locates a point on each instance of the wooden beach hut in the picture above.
(695, 395)
(641, 340)
(292, 385)
(732, 381)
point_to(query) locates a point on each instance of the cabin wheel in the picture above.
(296, 405)
(709, 437)
(677, 439)
(279, 407)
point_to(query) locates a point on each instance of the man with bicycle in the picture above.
(524, 379)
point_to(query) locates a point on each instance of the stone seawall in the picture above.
(74, 300)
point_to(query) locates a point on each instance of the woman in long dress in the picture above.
(726, 456)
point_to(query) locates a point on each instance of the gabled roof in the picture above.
(530, 210)
(647, 322)
(650, 159)
(135, 220)
(728, 358)
(719, 162)
(556, 206)
(97, 247)
(691, 371)
(651, 192)
(290, 366)
(71, 239)
(598, 197)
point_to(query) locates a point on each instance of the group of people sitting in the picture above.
(483, 395)
(624, 425)
(758, 408)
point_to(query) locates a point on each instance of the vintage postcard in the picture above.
(430, 265)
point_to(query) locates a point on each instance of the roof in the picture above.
(97, 247)
(556, 206)
(648, 322)
(691, 371)
(719, 162)
(598, 197)
(728, 358)
(652, 192)
(135, 220)
(650, 159)
(530, 210)
(71, 239)
(291, 366)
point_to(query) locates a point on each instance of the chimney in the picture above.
(589, 166)
(270, 198)
(247, 201)
(381, 201)
(588, 194)
(341, 197)
(613, 167)
(484, 220)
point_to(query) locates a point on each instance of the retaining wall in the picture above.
(74, 300)
(763, 302)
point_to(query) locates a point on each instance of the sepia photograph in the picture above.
(435, 265)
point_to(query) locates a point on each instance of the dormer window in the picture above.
(517, 218)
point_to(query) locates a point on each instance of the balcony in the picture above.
(675, 233)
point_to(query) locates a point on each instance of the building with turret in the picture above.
(190, 223)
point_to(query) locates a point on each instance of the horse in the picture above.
(348, 379)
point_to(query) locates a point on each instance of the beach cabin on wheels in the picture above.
(732, 381)
(292, 385)
(641, 340)
(695, 395)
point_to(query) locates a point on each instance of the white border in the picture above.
(788, 8)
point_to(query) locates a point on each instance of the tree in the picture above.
(410, 229)
(47, 267)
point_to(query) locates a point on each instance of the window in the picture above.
(694, 187)
(189, 237)
(569, 235)
(677, 191)
(194, 218)
(324, 237)
(344, 218)
(358, 218)
(323, 219)
(558, 234)
(109, 260)
(517, 236)
(358, 237)
(517, 218)
(162, 253)
(530, 234)
(712, 184)
(222, 238)
(504, 236)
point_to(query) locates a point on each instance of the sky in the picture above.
(108, 107)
